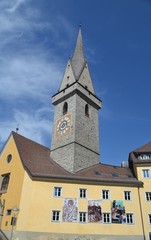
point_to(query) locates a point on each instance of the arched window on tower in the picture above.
(65, 108)
(87, 110)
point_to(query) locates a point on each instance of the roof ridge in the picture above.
(78, 59)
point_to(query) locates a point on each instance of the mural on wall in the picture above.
(94, 211)
(70, 210)
(118, 212)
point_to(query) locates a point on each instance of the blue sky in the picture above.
(36, 39)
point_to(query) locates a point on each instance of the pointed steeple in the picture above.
(77, 77)
(78, 60)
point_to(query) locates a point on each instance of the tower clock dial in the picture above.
(63, 125)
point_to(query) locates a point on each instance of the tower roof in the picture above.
(77, 78)
(78, 60)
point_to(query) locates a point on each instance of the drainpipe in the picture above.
(141, 213)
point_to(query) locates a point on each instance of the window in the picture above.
(83, 193)
(8, 212)
(148, 196)
(106, 217)
(55, 216)
(130, 218)
(146, 173)
(149, 218)
(65, 108)
(82, 217)
(105, 194)
(57, 191)
(5, 182)
(150, 236)
(127, 195)
(87, 110)
(145, 156)
(9, 158)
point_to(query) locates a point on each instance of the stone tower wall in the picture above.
(79, 148)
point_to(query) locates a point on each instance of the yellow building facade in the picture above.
(65, 193)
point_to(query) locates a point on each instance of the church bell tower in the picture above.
(75, 137)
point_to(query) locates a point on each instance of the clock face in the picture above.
(63, 125)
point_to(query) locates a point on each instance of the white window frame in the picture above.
(57, 191)
(149, 218)
(128, 195)
(107, 216)
(82, 217)
(55, 214)
(105, 194)
(82, 193)
(130, 216)
(146, 173)
(148, 196)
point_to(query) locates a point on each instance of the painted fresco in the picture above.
(70, 210)
(94, 211)
(118, 212)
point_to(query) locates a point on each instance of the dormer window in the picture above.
(65, 108)
(145, 156)
(87, 110)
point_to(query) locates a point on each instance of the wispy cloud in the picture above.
(15, 5)
(30, 71)
(36, 125)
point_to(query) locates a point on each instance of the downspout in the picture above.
(143, 227)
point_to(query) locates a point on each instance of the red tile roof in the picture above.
(37, 162)
(145, 148)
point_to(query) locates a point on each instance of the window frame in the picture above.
(82, 217)
(106, 217)
(57, 192)
(82, 193)
(130, 216)
(149, 218)
(146, 173)
(105, 194)
(128, 195)
(55, 215)
(5, 182)
(148, 196)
